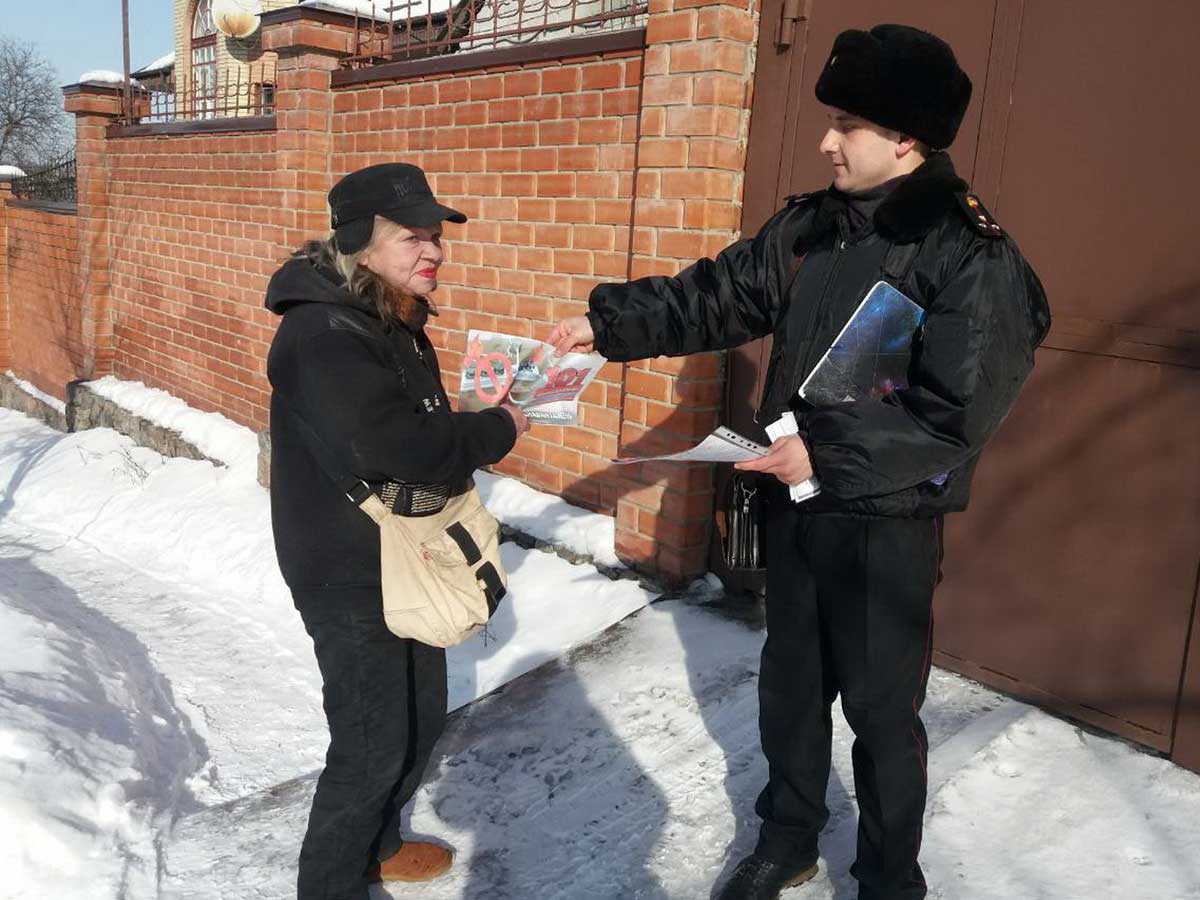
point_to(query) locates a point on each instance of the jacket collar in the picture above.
(911, 210)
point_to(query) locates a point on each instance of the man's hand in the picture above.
(787, 460)
(572, 333)
(518, 418)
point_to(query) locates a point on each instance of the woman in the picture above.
(355, 380)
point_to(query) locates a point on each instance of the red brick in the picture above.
(470, 113)
(661, 213)
(698, 184)
(578, 262)
(594, 237)
(539, 159)
(599, 131)
(665, 90)
(561, 80)
(556, 184)
(663, 152)
(557, 236)
(719, 89)
(576, 211)
(581, 106)
(558, 132)
(521, 84)
(540, 108)
(668, 27)
(518, 185)
(487, 87)
(709, 57)
(601, 76)
(725, 22)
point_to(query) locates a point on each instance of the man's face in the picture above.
(863, 154)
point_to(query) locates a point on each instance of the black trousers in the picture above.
(849, 612)
(385, 701)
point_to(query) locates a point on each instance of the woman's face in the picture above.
(405, 257)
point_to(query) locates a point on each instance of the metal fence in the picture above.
(206, 93)
(54, 184)
(417, 29)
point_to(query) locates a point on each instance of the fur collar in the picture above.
(910, 211)
(412, 311)
(920, 201)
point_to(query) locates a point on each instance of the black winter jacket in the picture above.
(374, 396)
(985, 313)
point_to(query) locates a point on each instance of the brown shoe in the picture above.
(414, 861)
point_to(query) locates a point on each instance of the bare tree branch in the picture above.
(33, 127)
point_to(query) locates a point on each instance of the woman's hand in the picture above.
(572, 333)
(787, 460)
(518, 418)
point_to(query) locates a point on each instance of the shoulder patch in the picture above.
(978, 216)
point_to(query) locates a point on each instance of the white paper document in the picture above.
(723, 445)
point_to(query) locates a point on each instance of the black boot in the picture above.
(756, 878)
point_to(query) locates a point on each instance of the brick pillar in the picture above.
(309, 43)
(5, 320)
(95, 108)
(691, 151)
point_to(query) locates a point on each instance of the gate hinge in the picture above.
(793, 11)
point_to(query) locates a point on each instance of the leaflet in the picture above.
(500, 368)
(723, 445)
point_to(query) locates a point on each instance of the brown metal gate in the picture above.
(1073, 578)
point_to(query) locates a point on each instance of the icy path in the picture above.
(629, 770)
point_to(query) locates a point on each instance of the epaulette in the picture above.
(978, 215)
(797, 199)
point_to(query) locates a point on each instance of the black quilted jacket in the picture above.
(374, 397)
(913, 452)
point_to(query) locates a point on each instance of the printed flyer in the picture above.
(502, 368)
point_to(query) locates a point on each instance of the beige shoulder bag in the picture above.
(440, 570)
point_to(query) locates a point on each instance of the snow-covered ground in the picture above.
(161, 731)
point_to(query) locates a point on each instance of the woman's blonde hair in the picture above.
(360, 281)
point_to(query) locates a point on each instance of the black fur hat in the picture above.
(899, 77)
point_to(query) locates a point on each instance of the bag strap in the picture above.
(349, 484)
(493, 587)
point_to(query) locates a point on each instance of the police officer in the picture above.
(851, 572)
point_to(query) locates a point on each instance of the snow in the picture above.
(34, 391)
(379, 9)
(11, 172)
(167, 59)
(212, 434)
(162, 573)
(549, 518)
(101, 76)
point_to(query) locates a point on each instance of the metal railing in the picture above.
(216, 93)
(54, 184)
(418, 29)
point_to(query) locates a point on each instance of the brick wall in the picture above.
(195, 233)
(540, 158)
(573, 171)
(5, 324)
(44, 338)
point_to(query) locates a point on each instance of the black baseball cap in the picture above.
(396, 191)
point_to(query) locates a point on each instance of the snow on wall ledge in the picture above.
(27, 398)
